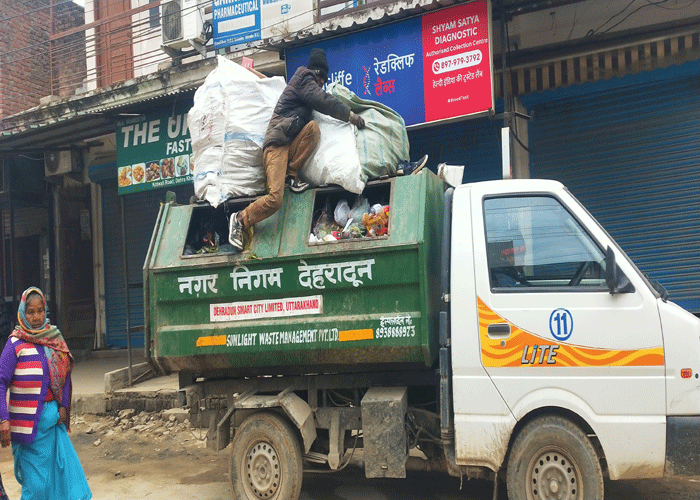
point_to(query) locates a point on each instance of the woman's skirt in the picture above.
(3, 495)
(48, 468)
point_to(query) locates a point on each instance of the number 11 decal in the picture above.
(561, 324)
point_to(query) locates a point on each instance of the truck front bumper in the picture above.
(682, 446)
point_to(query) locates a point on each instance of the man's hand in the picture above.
(5, 433)
(357, 120)
(61, 415)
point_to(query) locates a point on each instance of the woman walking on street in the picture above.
(36, 366)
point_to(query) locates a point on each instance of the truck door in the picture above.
(552, 335)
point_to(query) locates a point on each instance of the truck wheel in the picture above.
(553, 459)
(266, 459)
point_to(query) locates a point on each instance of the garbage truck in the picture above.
(494, 331)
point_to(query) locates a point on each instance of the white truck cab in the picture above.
(569, 331)
(496, 328)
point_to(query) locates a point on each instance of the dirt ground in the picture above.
(151, 457)
(140, 457)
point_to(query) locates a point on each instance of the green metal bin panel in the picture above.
(302, 308)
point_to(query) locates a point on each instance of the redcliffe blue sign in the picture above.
(427, 69)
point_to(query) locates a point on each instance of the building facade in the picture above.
(38, 68)
(600, 95)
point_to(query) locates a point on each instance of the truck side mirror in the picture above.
(615, 279)
(610, 270)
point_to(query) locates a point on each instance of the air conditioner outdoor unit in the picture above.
(62, 162)
(182, 22)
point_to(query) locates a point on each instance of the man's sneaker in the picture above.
(402, 166)
(411, 167)
(295, 185)
(235, 232)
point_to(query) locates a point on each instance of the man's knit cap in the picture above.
(318, 62)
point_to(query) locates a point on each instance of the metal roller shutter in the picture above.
(140, 212)
(473, 143)
(113, 270)
(629, 149)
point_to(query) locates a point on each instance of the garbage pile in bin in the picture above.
(362, 220)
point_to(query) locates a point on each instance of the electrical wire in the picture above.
(517, 139)
(649, 3)
(33, 11)
(58, 50)
(135, 33)
(593, 32)
(412, 428)
(632, 13)
(347, 402)
(514, 128)
(141, 32)
(424, 405)
(573, 23)
(674, 8)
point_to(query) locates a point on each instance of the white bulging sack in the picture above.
(227, 125)
(335, 160)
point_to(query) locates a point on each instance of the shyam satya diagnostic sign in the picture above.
(457, 76)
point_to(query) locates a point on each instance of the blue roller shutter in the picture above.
(140, 211)
(113, 266)
(629, 149)
(473, 143)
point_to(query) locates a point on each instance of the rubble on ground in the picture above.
(160, 426)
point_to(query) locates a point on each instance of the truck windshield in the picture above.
(534, 241)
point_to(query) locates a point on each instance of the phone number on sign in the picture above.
(392, 332)
(457, 61)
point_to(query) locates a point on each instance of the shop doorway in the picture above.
(76, 300)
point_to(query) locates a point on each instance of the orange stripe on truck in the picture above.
(210, 341)
(521, 344)
(346, 335)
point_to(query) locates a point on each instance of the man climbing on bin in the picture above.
(290, 139)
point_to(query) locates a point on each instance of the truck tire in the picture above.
(266, 459)
(552, 458)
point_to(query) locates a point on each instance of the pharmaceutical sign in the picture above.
(435, 67)
(235, 22)
(238, 22)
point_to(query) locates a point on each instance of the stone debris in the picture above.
(161, 425)
(126, 414)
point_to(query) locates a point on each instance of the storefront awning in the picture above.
(76, 130)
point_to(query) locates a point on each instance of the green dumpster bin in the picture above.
(285, 306)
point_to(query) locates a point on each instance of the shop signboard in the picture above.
(235, 22)
(238, 22)
(429, 68)
(154, 150)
